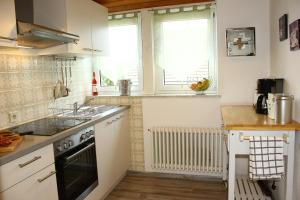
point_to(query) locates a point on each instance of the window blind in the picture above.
(124, 59)
(183, 44)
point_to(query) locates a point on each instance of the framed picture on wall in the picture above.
(294, 35)
(240, 41)
(283, 27)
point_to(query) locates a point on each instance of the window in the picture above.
(124, 60)
(184, 47)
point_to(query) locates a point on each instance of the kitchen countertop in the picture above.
(32, 142)
(244, 117)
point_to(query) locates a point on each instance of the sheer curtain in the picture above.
(123, 61)
(183, 44)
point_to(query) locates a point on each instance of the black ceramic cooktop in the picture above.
(47, 126)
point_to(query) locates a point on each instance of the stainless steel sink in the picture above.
(88, 112)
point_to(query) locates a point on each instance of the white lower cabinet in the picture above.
(33, 176)
(25, 166)
(41, 185)
(113, 153)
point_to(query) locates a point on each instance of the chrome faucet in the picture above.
(76, 107)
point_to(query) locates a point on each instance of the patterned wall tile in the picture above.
(3, 102)
(3, 81)
(26, 86)
(27, 82)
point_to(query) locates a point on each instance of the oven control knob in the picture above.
(83, 136)
(59, 148)
(71, 143)
(87, 134)
(91, 132)
(66, 145)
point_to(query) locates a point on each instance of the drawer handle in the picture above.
(108, 123)
(30, 161)
(87, 49)
(7, 38)
(42, 179)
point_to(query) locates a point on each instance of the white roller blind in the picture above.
(123, 61)
(183, 44)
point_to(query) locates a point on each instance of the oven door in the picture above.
(77, 171)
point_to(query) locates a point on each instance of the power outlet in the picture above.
(13, 117)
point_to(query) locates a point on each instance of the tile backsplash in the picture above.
(27, 82)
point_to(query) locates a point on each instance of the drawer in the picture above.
(23, 167)
(41, 185)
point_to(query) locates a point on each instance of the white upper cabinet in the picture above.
(99, 29)
(8, 30)
(78, 15)
(85, 18)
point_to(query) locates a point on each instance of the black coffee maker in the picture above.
(265, 86)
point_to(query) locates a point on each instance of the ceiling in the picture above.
(125, 5)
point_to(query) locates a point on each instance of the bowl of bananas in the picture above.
(200, 86)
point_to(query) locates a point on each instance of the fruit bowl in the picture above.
(200, 86)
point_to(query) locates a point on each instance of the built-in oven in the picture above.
(76, 165)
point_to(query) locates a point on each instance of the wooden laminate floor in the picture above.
(139, 187)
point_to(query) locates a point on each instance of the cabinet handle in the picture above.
(87, 49)
(7, 38)
(42, 179)
(30, 161)
(96, 50)
(79, 152)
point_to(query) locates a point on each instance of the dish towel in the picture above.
(266, 158)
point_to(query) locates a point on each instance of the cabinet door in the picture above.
(104, 137)
(121, 128)
(41, 185)
(79, 23)
(7, 23)
(99, 21)
(113, 153)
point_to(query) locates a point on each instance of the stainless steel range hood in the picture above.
(41, 37)
(47, 33)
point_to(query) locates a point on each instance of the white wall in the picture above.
(181, 111)
(285, 63)
(238, 75)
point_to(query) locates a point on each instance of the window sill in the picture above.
(161, 95)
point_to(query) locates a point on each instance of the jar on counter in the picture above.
(284, 109)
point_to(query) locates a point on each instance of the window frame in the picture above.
(160, 88)
(135, 89)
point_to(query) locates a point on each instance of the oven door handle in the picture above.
(80, 151)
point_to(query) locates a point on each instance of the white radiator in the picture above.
(184, 150)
